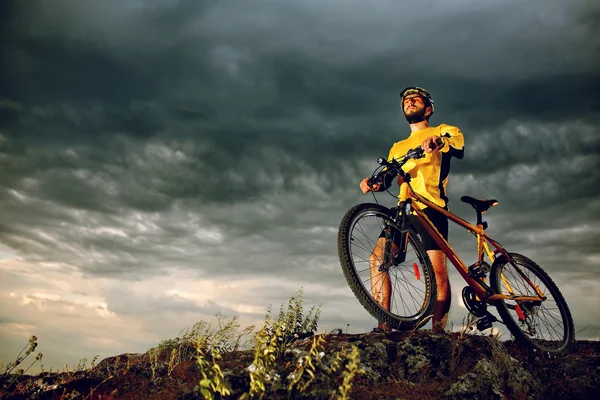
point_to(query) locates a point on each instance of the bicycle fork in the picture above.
(389, 258)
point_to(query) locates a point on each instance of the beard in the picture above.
(416, 116)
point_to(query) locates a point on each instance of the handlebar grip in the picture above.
(438, 143)
(374, 180)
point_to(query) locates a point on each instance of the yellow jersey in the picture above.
(429, 175)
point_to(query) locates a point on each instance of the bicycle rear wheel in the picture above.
(547, 324)
(412, 281)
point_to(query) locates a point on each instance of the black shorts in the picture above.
(438, 219)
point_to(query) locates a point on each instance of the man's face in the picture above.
(412, 103)
(414, 108)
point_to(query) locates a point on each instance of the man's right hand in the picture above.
(364, 186)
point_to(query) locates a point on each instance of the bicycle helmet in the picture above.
(421, 92)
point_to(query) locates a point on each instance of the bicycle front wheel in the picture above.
(545, 324)
(410, 282)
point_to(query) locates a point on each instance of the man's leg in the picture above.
(442, 304)
(381, 287)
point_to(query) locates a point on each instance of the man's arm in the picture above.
(384, 182)
(454, 141)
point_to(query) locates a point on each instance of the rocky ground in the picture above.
(417, 365)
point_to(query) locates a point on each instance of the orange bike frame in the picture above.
(481, 289)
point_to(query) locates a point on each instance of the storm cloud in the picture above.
(162, 161)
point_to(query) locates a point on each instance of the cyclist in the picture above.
(429, 176)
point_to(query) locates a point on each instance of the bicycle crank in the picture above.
(475, 307)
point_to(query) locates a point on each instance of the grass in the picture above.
(272, 369)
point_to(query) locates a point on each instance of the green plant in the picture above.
(292, 325)
(153, 354)
(349, 361)
(82, 364)
(469, 323)
(10, 367)
(213, 380)
(222, 333)
(350, 371)
(219, 336)
(264, 358)
(93, 364)
(275, 337)
(307, 364)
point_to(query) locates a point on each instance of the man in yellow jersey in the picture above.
(429, 176)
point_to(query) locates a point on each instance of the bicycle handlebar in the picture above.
(395, 166)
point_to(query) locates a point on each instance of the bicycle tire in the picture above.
(422, 283)
(530, 323)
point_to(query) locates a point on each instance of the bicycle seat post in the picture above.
(480, 221)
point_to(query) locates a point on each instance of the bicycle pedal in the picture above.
(484, 323)
(479, 270)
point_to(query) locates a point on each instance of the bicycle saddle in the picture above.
(478, 204)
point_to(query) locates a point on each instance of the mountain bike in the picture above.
(527, 300)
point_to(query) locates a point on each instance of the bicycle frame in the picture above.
(481, 289)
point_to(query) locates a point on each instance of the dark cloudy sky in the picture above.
(164, 160)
